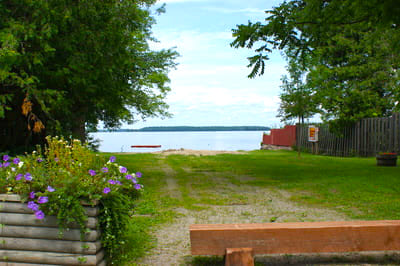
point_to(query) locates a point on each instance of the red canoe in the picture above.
(146, 146)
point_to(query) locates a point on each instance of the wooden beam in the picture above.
(20, 219)
(305, 237)
(44, 258)
(18, 207)
(45, 245)
(239, 257)
(47, 233)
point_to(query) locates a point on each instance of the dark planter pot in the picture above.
(386, 159)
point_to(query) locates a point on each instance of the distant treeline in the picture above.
(187, 128)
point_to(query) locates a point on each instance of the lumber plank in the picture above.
(46, 233)
(18, 207)
(35, 257)
(48, 221)
(239, 257)
(305, 237)
(10, 197)
(63, 246)
(10, 263)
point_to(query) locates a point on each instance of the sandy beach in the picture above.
(191, 152)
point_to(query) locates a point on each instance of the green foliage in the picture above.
(348, 49)
(114, 218)
(78, 63)
(65, 175)
(297, 99)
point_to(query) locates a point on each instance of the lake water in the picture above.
(199, 140)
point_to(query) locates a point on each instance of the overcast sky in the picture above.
(210, 85)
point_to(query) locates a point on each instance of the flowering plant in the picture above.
(56, 180)
(387, 153)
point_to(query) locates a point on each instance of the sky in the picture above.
(210, 86)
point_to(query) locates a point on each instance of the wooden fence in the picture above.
(281, 137)
(366, 138)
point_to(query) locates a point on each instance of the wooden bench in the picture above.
(239, 242)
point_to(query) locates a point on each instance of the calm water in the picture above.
(209, 140)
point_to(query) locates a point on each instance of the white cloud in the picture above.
(197, 96)
(227, 73)
(190, 41)
(210, 85)
(179, 1)
(232, 11)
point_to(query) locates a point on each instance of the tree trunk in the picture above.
(300, 136)
(79, 125)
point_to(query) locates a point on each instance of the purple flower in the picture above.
(92, 172)
(5, 158)
(137, 186)
(129, 177)
(28, 177)
(39, 215)
(16, 160)
(39, 160)
(104, 170)
(43, 199)
(118, 182)
(1, 165)
(18, 177)
(123, 170)
(32, 195)
(138, 174)
(6, 164)
(56, 159)
(112, 182)
(134, 180)
(106, 190)
(50, 189)
(33, 206)
(113, 159)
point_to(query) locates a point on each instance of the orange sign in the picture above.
(313, 133)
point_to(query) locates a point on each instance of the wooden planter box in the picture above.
(386, 159)
(25, 240)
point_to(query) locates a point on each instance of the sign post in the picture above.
(313, 138)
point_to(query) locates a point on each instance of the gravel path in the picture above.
(261, 205)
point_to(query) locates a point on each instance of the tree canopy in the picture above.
(297, 98)
(66, 65)
(348, 49)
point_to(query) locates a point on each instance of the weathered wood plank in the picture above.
(46, 233)
(18, 256)
(14, 207)
(48, 221)
(9, 263)
(18, 207)
(63, 246)
(10, 197)
(307, 237)
(17, 198)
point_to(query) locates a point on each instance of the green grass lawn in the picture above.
(354, 186)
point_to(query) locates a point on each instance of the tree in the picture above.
(349, 50)
(297, 99)
(71, 64)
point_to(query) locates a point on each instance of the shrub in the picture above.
(56, 180)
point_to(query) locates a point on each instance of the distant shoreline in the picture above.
(189, 129)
